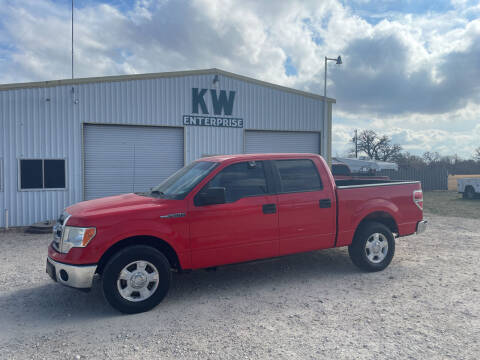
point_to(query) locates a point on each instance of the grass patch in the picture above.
(450, 203)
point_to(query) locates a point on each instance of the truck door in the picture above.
(245, 227)
(306, 208)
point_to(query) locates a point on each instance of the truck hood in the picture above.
(115, 204)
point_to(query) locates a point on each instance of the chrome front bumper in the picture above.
(77, 276)
(421, 226)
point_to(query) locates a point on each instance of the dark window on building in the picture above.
(298, 175)
(42, 174)
(54, 174)
(241, 180)
(31, 174)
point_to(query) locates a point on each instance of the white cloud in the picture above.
(407, 75)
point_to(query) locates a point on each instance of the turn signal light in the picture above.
(89, 234)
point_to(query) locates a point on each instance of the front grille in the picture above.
(58, 230)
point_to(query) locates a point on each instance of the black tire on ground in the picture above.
(469, 193)
(358, 252)
(127, 256)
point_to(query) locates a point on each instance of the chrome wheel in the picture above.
(138, 281)
(376, 248)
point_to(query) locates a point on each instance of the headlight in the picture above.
(77, 237)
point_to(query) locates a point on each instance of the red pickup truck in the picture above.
(228, 209)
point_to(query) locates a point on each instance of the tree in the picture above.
(476, 154)
(431, 157)
(377, 147)
(409, 160)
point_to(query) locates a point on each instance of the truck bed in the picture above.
(391, 199)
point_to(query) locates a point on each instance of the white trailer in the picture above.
(469, 187)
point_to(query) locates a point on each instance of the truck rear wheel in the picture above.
(136, 279)
(373, 247)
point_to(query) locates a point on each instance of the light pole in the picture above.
(356, 144)
(72, 37)
(338, 62)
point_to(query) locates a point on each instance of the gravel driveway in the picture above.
(425, 305)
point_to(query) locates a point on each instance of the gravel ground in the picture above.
(308, 306)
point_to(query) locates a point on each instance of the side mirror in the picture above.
(210, 196)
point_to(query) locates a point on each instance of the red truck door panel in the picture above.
(244, 228)
(306, 208)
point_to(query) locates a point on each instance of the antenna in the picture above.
(72, 39)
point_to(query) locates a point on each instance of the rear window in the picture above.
(298, 175)
(340, 169)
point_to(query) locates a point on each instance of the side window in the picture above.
(42, 174)
(241, 180)
(298, 175)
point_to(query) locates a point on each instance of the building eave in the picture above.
(115, 78)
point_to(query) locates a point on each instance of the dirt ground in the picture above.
(451, 203)
(425, 305)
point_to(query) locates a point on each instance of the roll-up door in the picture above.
(122, 159)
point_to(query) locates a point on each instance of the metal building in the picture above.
(71, 140)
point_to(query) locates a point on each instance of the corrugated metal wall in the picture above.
(432, 178)
(38, 123)
(281, 141)
(47, 123)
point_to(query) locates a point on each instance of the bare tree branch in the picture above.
(476, 154)
(377, 147)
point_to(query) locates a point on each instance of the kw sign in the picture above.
(222, 105)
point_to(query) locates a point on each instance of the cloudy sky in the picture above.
(411, 67)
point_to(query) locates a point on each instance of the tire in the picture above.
(469, 193)
(136, 279)
(378, 253)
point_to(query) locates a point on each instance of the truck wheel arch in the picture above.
(381, 217)
(152, 241)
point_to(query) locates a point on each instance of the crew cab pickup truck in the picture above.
(228, 209)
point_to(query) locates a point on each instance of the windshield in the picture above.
(178, 185)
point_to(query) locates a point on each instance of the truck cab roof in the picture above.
(253, 157)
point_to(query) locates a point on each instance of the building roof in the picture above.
(213, 71)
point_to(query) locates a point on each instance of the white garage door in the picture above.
(282, 141)
(123, 159)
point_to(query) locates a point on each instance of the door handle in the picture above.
(269, 208)
(325, 203)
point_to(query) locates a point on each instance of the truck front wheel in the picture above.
(373, 247)
(136, 279)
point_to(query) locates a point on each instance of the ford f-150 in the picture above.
(228, 209)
